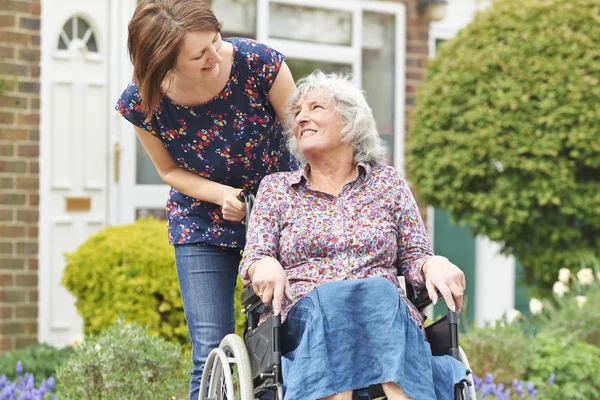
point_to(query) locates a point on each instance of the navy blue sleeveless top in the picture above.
(234, 139)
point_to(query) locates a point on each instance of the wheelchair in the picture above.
(251, 368)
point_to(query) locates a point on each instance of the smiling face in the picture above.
(318, 127)
(199, 58)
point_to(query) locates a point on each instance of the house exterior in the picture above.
(69, 165)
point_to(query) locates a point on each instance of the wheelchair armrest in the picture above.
(421, 299)
(250, 300)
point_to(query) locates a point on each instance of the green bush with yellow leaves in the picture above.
(506, 131)
(129, 271)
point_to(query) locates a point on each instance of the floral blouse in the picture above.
(234, 139)
(372, 229)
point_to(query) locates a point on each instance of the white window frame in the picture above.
(352, 54)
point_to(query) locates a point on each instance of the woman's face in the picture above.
(199, 57)
(318, 127)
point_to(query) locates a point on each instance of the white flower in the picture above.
(580, 301)
(535, 306)
(97, 347)
(559, 288)
(585, 276)
(512, 315)
(564, 275)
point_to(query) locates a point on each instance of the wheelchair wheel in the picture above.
(227, 372)
(468, 392)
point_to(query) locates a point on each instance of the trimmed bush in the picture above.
(41, 360)
(128, 271)
(124, 362)
(506, 131)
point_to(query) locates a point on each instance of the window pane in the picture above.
(82, 27)
(237, 16)
(310, 24)
(302, 68)
(145, 171)
(378, 72)
(91, 44)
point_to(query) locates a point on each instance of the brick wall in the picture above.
(19, 165)
(417, 54)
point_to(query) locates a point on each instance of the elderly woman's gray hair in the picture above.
(351, 105)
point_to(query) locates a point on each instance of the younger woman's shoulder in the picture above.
(245, 45)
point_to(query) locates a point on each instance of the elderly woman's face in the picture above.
(317, 126)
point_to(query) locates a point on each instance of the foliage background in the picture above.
(506, 131)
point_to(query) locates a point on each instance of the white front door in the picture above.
(137, 190)
(74, 150)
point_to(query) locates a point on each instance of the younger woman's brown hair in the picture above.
(156, 34)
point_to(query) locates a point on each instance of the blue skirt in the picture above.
(351, 334)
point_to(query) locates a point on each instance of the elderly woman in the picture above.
(324, 246)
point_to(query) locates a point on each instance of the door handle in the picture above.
(116, 161)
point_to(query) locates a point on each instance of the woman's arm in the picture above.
(188, 183)
(283, 86)
(260, 264)
(418, 264)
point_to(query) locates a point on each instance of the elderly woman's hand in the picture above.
(270, 282)
(446, 277)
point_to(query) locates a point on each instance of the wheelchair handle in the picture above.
(245, 196)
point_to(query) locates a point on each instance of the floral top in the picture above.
(234, 139)
(372, 229)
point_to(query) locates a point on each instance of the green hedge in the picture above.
(129, 271)
(42, 360)
(506, 131)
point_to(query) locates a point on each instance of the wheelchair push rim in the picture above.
(224, 363)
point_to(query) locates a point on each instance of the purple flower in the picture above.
(489, 378)
(499, 390)
(530, 388)
(488, 389)
(19, 368)
(519, 389)
(477, 381)
(551, 380)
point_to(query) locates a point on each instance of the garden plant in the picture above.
(554, 350)
(125, 361)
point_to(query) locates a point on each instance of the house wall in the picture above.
(19, 168)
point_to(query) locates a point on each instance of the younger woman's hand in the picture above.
(231, 207)
(270, 282)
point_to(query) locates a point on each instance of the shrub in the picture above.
(240, 318)
(574, 363)
(502, 349)
(506, 133)
(41, 360)
(128, 271)
(124, 362)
